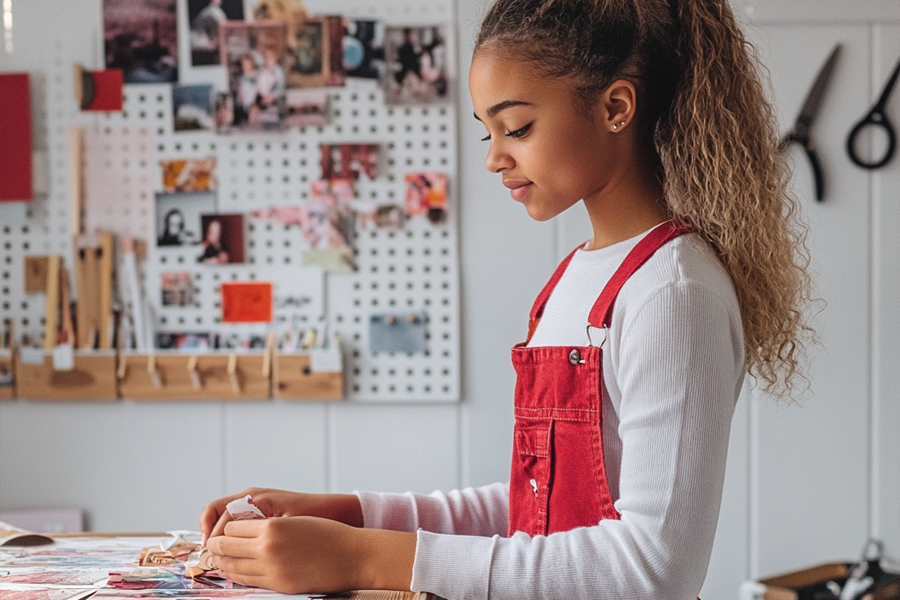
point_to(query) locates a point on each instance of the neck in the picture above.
(632, 203)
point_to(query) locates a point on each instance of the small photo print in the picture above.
(309, 52)
(306, 108)
(223, 239)
(416, 60)
(141, 38)
(177, 288)
(328, 226)
(205, 16)
(178, 217)
(345, 161)
(426, 194)
(363, 49)
(254, 54)
(184, 341)
(188, 175)
(336, 51)
(192, 108)
(383, 216)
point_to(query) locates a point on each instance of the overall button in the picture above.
(575, 356)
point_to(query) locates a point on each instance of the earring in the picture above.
(615, 126)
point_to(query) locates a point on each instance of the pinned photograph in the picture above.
(178, 217)
(336, 51)
(306, 108)
(188, 175)
(416, 59)
(192, 108)
(328, 226)
(346, 161)
(309, 52)
(246, 302)
(141, 38)
(426, 194)
(383, 216)
(177, 288)
(254, 54)
(363, 49)
(223, 239)
(205, 16)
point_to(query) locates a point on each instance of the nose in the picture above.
(497, 158)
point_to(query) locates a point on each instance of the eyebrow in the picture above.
(503, 106)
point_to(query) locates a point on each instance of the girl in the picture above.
(652, 114)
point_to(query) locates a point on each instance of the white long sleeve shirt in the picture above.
(673, 365)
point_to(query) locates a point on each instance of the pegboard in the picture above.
(410, 270)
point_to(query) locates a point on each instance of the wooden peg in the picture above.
(51, 313)
(232, 374)
(151, 370)
(192, 369)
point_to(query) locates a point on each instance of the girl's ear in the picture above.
(618, 105)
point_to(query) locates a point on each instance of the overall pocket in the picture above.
(531, 478)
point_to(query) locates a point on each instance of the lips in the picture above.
(517, 188)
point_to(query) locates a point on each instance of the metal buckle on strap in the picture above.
(605, 335)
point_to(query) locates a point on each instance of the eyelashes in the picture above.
(513, 134)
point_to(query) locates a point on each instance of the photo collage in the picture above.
(279, 62)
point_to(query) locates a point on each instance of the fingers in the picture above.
(228, 547)
(224, 519)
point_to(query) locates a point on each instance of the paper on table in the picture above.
(10, 535)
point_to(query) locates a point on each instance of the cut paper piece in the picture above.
(15, 138)
(99, 91)
(247, 302)
(426, 194)
(243, 508)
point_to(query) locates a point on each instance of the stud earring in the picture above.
(615, 126)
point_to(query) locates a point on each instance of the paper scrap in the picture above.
(243, 508)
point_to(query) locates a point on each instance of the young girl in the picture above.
(652, 114)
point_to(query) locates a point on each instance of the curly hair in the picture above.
(703, 106)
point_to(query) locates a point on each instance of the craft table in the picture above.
(103, 566)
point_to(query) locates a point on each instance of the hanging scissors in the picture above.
(801, 130)
(876, 118)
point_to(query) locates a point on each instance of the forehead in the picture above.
(497, 77)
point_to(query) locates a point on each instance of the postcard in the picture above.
(416, 59)
(328, 228)
(309, 52)
(246, 302)
(188, 175)
(192, 108)
(178, 220)
(141, 38)
(345, 161)
(254, 54)
(204, 17)
(306, 108)
(177, 288)
(223, 239)
(426, 194)
(363, 49)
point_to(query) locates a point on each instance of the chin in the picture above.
(540, 213)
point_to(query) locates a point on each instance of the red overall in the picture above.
(558, 479)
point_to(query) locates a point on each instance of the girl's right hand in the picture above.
(344, 508)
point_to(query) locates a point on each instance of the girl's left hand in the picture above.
(294, 555)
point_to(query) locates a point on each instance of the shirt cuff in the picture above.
(453, 566)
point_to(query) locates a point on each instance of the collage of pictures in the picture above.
(279, 62)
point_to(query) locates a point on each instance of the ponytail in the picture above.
(705, 108)
(725, 176)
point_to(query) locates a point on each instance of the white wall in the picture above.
(805, 483)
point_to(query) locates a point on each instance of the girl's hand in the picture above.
(277, 503)
(309, 554)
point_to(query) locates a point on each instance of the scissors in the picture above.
(876, 118)
(801, 130)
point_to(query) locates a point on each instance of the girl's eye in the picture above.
(486, 138)
(518, 132)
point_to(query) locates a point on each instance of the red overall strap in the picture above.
(601, 313)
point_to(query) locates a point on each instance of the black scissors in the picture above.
(800, 133)
(876, 118)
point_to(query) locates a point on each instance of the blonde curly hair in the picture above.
(704, 108)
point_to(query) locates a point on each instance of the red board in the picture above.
(247, 302)
(15, 137)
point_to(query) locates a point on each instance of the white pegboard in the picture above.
(411, 270)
